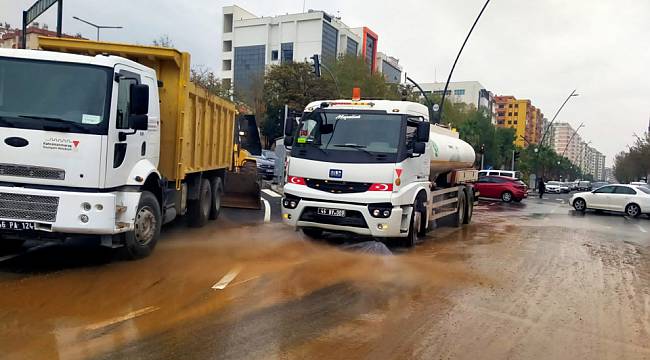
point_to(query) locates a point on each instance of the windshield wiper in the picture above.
(354, 146)
(60, 121)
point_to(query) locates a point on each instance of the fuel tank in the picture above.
(448, 151)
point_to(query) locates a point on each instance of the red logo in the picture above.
(399, 172)
(75, 143)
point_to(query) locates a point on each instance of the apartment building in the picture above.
(250, 43)
(520, 115)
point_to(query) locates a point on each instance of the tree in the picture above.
(204, 77)
(292, 84)
(634, 164)
(352, 71)
(163, 41)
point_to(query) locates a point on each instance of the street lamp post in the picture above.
(573, 94)
(98, 27)
(571, 139)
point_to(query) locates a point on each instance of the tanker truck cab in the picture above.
(79, 140)
(361, 167)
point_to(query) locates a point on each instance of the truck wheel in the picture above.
(469, 207)
(459, 217)
(143, 239)
(199, 210)
(414, 228)
(217, 189)
(312, 233)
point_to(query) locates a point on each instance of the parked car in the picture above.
(630, 199)
(573, 186)
(266, 164)
(564, 188)
(507, 173)
(584, 186)
(599, 184)
(501, 187)
(553, 187)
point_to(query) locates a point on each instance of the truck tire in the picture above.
(217, 190)
(414, 227)
(199, 210)
(140, 242)
(469, 208)
(459, 217)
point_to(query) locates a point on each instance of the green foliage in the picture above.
(352, 71)
(547, 163)
(202, 76)
(634, 164)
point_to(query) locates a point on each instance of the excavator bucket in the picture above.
(242, 188)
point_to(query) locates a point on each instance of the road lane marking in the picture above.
(642, 229)
(271, 193)
(123, 318)
(245, 281)
(226, 279)
(267, 210)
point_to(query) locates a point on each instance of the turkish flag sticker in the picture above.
(75, 143)
(399, 172)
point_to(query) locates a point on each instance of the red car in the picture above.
(501, 187)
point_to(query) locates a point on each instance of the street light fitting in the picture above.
(98, 27)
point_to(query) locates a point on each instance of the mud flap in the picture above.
(242, 189)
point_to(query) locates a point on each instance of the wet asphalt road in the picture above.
(524, 281)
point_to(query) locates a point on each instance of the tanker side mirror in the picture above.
(423, 132)
(419, 148)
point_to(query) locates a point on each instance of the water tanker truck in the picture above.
(376, 168)
(109, 140)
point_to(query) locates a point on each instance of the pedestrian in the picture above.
(541, 187)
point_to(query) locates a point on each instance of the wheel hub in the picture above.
(145, 225)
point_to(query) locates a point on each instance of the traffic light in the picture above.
(482, 149)
(517, 154)
(316, 64)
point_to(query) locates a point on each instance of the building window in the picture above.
(501, 114)
(509, 122)
(510, 105)
(517, 106)
(330, 40)
(500, 122)
(370, 51)
(287, 52)
(516, 113)
(509, 114)
(352, 48)
(392, 74)
(501, 106)
(274, 55)
(459, 92)
(515, 122)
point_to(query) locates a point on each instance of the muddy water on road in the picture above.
(512, 285)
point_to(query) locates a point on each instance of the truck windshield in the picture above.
(352, 137)
(54, 96)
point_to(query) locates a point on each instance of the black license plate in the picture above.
(331, 212)
(16, 225)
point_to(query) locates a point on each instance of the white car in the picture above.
(630, 199)
(553, 187)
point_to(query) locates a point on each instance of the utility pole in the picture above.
(512, 167)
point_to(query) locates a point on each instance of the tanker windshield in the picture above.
(54, 96)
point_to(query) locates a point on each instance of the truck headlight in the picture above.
(381, 211)
(290, 201)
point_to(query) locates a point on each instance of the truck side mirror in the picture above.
(419, 148)
(289, 123)
(139, 99)
(288, 141)
(424, 128)
(139, 122)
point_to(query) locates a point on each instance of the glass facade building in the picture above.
(391, 74)
(352, 48)
(248, 66)
(330, 40)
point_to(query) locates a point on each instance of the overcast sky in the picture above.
(539, 50)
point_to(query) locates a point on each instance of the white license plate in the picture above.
(331, 212)
(16, 225)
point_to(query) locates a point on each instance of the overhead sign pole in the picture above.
(35, 11)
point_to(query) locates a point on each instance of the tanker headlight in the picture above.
(290, 202)
(381, 211)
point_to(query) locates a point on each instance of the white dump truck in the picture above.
(110, 140)
(377, 168)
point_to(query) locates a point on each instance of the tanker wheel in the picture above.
(199, 210)
(459, 217)
(414, 227)
(469, 208)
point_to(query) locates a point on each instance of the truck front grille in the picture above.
(352, 218)
(28, 207)
(338, 187)
(36, 172)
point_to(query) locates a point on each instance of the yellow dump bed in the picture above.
(197, 128)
